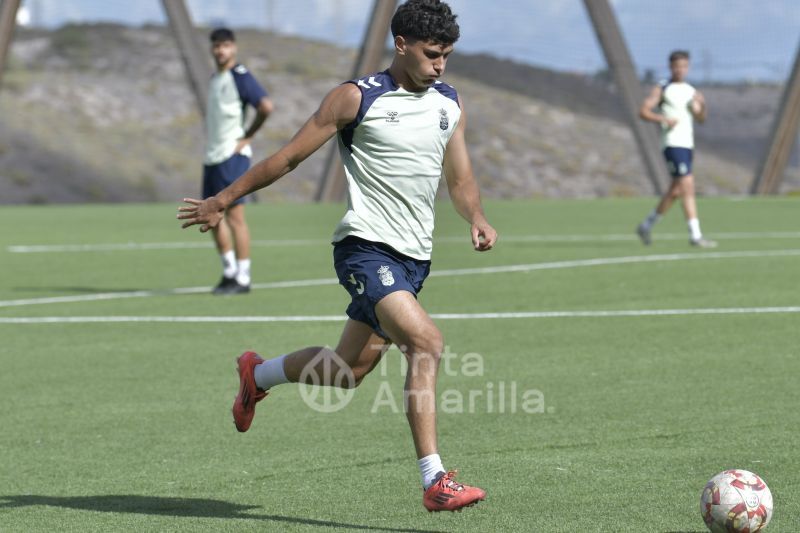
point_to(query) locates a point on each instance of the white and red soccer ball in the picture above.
(736, 501)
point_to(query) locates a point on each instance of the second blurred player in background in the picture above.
(227, 156)
(679, 105)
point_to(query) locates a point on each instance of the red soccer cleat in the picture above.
(447, 495)
(244, 406)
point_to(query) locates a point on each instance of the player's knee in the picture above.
(688, 186)
(236, 222)
(427, 346)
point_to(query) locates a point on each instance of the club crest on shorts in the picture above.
(444, 121)
(386, 276)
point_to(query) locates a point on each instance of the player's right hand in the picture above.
(207, 212)
(484, 236)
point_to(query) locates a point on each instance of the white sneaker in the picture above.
(703, 243)
(644, 234)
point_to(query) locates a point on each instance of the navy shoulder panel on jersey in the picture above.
(371, 87)
(447, 90)
(250, 91)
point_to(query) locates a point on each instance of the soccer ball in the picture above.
(736, 501)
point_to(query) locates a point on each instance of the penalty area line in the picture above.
(436, 316)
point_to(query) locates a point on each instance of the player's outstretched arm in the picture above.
(463, 188)
(337, 109)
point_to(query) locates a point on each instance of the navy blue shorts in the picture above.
(679, 161)
(217, 177)
(369, 271)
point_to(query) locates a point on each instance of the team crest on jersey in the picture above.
(391, 116)
(386, 276)
(444, 122)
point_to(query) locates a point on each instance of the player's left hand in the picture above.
(207, 212)
(483, 236)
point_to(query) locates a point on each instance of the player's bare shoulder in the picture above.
(462, 123)
(654, 96)
(340, 106)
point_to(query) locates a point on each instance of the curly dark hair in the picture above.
(426, 20)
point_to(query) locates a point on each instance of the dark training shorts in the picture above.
(369, 271)
(217, 177)
(679, 161)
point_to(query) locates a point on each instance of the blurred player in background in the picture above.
(228, 154)
(679, 105)
(398, 131)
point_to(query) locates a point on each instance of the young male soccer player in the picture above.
(228, 154)
(679, 106)
(397, 131)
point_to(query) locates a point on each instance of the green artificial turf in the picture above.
(606, 423)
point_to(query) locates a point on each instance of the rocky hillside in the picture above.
(103, 113)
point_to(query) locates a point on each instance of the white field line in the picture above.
(601, 261)
(437, 316)
(134, 246)
(137, 246)
(165, 292)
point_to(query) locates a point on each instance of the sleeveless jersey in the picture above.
(676, 99)
(229, 93)
(393, 154)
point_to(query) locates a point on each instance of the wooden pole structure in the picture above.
(620, 63)
(8, 21)
(194, 54)
(784, 132)
(332, 184)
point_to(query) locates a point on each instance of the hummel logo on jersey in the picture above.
(444, 122)
(359, 284)
(391, 116)
(371, 81)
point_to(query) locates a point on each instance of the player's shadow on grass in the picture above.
(185, 507)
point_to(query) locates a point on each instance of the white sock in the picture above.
(651, 219)
(430, 466)
(270, 373)
(694, 229)
(243, 275)
(228, 264)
